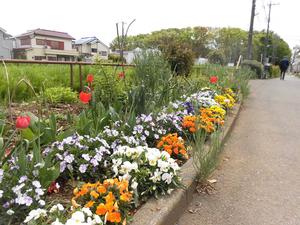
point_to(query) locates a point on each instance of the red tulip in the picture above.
(121, 75)
(213, 79)
(85, 97)
(90, 78)
(22, 122)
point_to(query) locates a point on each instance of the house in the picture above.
(6, 45)
(41, 44)
(91, 46)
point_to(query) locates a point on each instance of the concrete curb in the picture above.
(168, 209)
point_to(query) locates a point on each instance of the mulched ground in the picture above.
(45, 110)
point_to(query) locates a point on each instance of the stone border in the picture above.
(168, 209)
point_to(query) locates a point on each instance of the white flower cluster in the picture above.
(35, 215)
(204, 98)
(83, 216)
(154, 167)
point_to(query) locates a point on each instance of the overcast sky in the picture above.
(98, 18)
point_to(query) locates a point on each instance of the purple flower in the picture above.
(86, 157)
(189, 107)
(94, 162)
(83, 168)
(22, 179)
(63, 166)
(36, 183)
(69, 158)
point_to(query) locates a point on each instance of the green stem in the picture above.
(8, 91)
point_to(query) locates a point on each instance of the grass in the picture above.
(205, 159)
(43, 76)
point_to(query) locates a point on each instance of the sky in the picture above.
(99, 17)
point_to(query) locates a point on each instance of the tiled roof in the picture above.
(50, 33)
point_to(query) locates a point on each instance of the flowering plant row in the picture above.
(125, 163)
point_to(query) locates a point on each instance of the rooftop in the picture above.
(50, 33)
(88, 40)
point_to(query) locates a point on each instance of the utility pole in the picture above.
(250, 34)
(268, 32)
(265, 61)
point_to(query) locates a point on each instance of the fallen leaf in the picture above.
(212, 181)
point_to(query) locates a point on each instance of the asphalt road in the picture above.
(258, 180)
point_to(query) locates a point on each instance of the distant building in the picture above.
(129, 56)
(41, 44)
(296, 65)
(89, 47)
(200, 61)
(6, 45)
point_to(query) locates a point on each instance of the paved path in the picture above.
(258, 181)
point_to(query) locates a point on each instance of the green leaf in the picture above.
(27, 134)
(1, 143)
(22, 161)
(37, 156)
(49, 174)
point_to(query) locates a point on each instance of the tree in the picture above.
(232, 42)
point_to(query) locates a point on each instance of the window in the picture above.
(26, 41)
(94, 50)
(39, 57)
(52, 58)
(103, 53)
(40, 42)
(60, 45)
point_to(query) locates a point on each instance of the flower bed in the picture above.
(120, 168)
(109, 160)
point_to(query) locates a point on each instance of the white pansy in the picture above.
(10, 212)
(57, 207)
(56, 222)
(97, 219)
(42, 202)
(167, 177)
(87, 211)
(156, 176)
(86, 157)
(36, 183)
(163, 165)
(134, 185)
(35, 214)
(77, 218)
(1, 193)
(127, 167)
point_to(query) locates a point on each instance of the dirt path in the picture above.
(258, 181)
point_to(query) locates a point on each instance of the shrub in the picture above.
(274, 71)
(254, 65)
(115, 58)
(216, 57)
(180, 57)
(60, 95)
